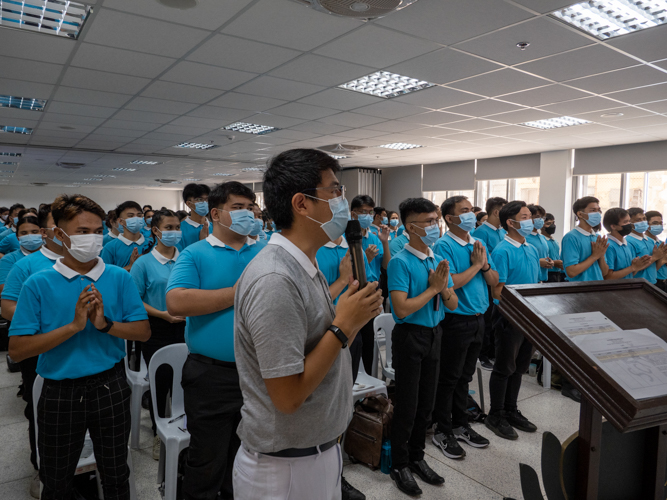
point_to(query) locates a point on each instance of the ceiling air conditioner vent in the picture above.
(358, 9)
(71, 166)
(39, 183)
(167, 181)
(341, 149)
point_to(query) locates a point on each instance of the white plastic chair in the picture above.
(174, 440)
(139, 385)
(88, 463)
(383, 324)
(365, 385)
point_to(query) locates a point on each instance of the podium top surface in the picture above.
(631, 304)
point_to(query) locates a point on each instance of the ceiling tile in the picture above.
(632, 123)
(74, 120)
(69, 108)
(21, 69)
(544, 95)
(143, 116)
(20, 88)
(120, 61)
(304, 111)
(91, 97)
(434, 118)
(341, 99)
(374, 40)
(657, 107)
(125, 31)
(454, 20)
(638, 76)
(583, 105)
(523, 115)
(203, 75)
(244, 101)
(484, 108)
(352, 120)
(662, 64)
(160, 105)
(274, 120)
(473, 124)
(455, 135)
(319, 128)
(216, 113)
(544, 6)
(268, 86)
(578, 63)
(34, 46)
(443, 66)
(132, 125)
(179, 91)
(641, 95)
(392, 126)
(437, 97)
(99, 80)
(390, 109)
(289, 25)
(648, 44)
(202, 123)
(500, 82)
(320, 70)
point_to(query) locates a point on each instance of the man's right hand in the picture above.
(172, 319)
(437, 280)
(599, 247)
(640, 263)
(371, 252)
(357, 307)
(345, 267)
(81, 309)
(478, 255)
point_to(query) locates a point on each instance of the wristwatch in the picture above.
(107, 327)
(488, 268)
(339, 333)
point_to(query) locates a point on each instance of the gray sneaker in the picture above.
(448, 445)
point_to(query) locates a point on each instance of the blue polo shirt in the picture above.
(9, 244)
(474, 295)
(151, 273)
(24, 268)
(516, 263)
(375, 230)
(489, 235)
(554, 253)
(400, 230)
(640, 246)
(6, 232)
(190, 230)
(328, 260)
(376, 264)
(619, 255)
(397, 244)
(542, 247)
(47, 302)
(576, 249)
(119, 251)
(662, 272)
(210, 265)
(7, 262)
(408, 271)
(108, 238)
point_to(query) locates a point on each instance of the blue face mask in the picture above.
(432, 234)
(594, 219)
(526, 228)
(148, 221)
(340, 215)
(270, 226)
(257, 227)
(55, 240)
(538, 223)
(468, 221)
(243, 221)
(171, 238)
(31, 241)
(134, 224)
(16, 220)
(655, 229)
(393, 222)
(385, 221)
(641, 227)
(365, 220)
(121, 229)
(201, 208)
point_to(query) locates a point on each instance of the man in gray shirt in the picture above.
(290, 340)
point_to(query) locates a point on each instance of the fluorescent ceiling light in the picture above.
(338, 157)
(145, 162)
(400, 146)
(610, 18)
(254, 169)
(560, 122)
(123, 169)
(15, 130)
(250, 128)
(8, 101)
(224, 175)
(7, 171)
(54, 17)
(10, 154)
(93, 179)
(196, 145)
(8, 163)
(192, 180)
(386, 85)
(104, 175)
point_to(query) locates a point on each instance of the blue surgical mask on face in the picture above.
(468, 221)
(171, 238)
(340, 215)
(641, 227)
(134, 224)
(243, 221)
(538, 223)
(432, 234)
(55, 240)
(148, 221)
(393, 222)
(526, 228)
(257, 227)
(655, 229)
(594, 219)
(385, 221)
(31, 241)
(16, 220)
(365, 220)
(201, 208)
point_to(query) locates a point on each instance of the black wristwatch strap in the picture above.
(488, 268)
(108, 326)
(339, 333)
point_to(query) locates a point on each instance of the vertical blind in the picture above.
(370, 183)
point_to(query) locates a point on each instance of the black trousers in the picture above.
(66, 409)
(416, 359)
(355, 351)
(461, 342)
(367, 344)
(29, 373)
(662, 285)
(488, 349)
(513, 355)
(213, 401)
(556, 278)
(163, 334)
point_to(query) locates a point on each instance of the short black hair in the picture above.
(26, 220)
(635, 211)
(549, 216)
(582, 203)
(390, 213)
(27, 212)
(613, 216)
(495, 203)
(291, 172)
(16, 206)
(476, 209)
(447, 207)
(111, 217)
(66, 207)
(481, 215)
(3, 210)
(360, 200)
(43, 215)
(379, 210)
(265, 215)
(415, 206)
(148, 207)
(509, 211)
(195, 191)
(649, 215)
(125, 205)
(182, 214)
(536, 210)
(221, 192)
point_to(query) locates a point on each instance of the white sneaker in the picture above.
(156, 447)
(35, 486)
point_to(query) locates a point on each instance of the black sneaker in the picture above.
(486, 365)
(448, 445)
(349, 492)
(469, 436)
(497, 423)
(518, 421)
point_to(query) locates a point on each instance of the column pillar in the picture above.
(556, 188)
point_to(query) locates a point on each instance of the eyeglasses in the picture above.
(335, 190)
(429, 222)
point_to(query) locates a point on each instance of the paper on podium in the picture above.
(577, 324)
(635, 359)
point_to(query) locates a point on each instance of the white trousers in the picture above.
(262, 477)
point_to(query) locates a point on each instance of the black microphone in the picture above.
(354, 238)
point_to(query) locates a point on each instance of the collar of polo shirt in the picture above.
(584, 232)
(418, 254)
(161, 258)
(331, 244)
(215, 242)
(460, 241)
(640, 237)
(139, 242)
(69, 273)
(279, 240)
(514, 242)
(49, 254)
(193, 223)
(488, 224)
(621, 242)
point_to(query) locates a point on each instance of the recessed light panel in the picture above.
(192, 180)
(611, 18)
(145, 162)
(15, 130)
(53, 17)
(8, 101)
(224, 175)
(93, 179)
(123, 169)
(250, 128)
(104, 175)
(560, 122)
(3, 153)
(400, 146)
(7, 171)
(338, 157)
(196, 145)
(8, 163)
(386, 85)
(254, 169)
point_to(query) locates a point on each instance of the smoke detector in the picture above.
(363, 10)
(69, 165)
(341, 149)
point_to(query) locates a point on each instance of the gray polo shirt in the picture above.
(282, 309)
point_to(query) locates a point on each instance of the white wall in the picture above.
(556, 188)
(108, 198)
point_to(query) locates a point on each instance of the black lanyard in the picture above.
(436, 299)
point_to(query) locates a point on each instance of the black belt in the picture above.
(212, 361)
(303, 452)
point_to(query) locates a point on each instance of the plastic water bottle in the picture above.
(532, 370)
(385, 457)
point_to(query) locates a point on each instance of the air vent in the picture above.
(341, 149)
(167, 181)
(179, 4)
(71, 166)
(39, 183)
(364, 10)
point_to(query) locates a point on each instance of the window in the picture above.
(634, 193)
(259, 199)
(604, 187)
(438, 197)
(526, 189)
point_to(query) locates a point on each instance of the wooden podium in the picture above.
(631, 304)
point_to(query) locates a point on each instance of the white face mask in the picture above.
(85, 247)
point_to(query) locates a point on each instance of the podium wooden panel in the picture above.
(631, 304)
